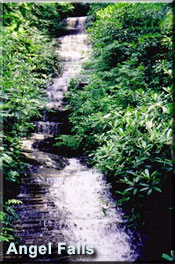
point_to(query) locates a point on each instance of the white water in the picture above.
(84, 194)
(73, 51)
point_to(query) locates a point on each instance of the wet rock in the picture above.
(44, 159)
(28, 144)
(70, 209)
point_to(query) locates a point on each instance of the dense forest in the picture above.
(121, 119)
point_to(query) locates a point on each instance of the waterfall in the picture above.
(73, 51)
(63, 199)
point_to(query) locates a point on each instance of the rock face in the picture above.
(64, 200)
(45, 159)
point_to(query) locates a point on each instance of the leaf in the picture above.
(171, 107)
(107, 116)
(118, 192)
(13, 201)
(128, 189)
(144, 189)
(135, 191)
(157, 189)
(144, 144)
(169, 133)
(149, 192)
(7, 229)
(173, 254)
(167, 257)
(133, 173)
(137, 179)
(147, 172)
(144, 184)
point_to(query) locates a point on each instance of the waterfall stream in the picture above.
(63, 199)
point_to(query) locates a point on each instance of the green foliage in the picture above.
(7, 216)
(67, 140)
(46, 17)
(66, 144)
(123, 117)
(29, 61)
(170, 257)
(92, 13)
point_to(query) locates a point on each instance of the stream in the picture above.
(63, 200)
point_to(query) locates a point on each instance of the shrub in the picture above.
(29, 60)
(123, 117)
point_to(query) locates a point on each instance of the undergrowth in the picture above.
(29, 60)
(123, 118)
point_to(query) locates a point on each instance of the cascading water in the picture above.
(73, 51)
(64, 200)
